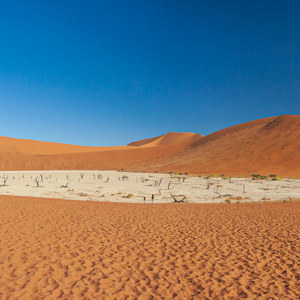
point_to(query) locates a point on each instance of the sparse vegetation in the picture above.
(257, 176)
(210, 176)
(276, 178)
(128, 196)
(83, 194)
(272, 175)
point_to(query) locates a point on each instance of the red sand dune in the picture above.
(22, 146)
(58, 249)
(170, 138)
(33, 155)
(265, 146)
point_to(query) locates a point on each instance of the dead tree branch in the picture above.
(178, 201)
(65, 185)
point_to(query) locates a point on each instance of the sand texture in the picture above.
(265, 146)
(89, 250)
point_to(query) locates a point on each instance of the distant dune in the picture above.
(265, 146)
(22, 146)
(170, 138)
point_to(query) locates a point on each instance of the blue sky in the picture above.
(109, 72)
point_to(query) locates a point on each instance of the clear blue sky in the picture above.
(110, 72)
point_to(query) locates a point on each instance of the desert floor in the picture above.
(114, 186)
(91, 250)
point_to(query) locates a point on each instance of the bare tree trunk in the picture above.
(36, 180)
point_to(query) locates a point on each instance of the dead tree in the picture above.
(208, 185)
(178, 201)
(169, 184)
(157, 182)
(244, 188)
(172, 174)
(37, 182)
(107, 179)
(218, 194)
(5, 178)
(65, 185)
(42, 178)
(81, 175)
(217, 189)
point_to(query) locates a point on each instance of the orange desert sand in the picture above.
(58, 249)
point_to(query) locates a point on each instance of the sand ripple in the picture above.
(57, 249)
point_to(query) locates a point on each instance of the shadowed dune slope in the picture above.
(265, 146)
(170, 138)
(56, 249)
